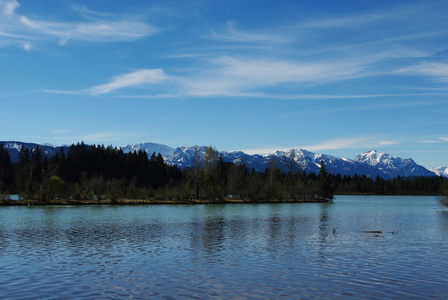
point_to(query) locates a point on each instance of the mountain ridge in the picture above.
(370, 163)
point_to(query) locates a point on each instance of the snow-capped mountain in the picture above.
(392, 166)
(310, 162)
(370, 163)
(150, 148)
(440, 171)
(47, 149)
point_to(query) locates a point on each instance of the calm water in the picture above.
(263, 251)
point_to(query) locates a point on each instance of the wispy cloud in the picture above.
(233, 76)
(245, 77)
(20, 28)
(430, 142)
(88, 13)
(134, 79)
(59, 131)
(27, 46)
(3, 117)
(96, 137)
(393, 14)
(8, 7)
(347, 55)
(349, 143)
(437, 140)
(345, 21)
(230, 75)
(334, 144)
(230, 33)
(252, 73)
(436, 70)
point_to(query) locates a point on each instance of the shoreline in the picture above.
(27, 202)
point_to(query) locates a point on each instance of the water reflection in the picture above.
(325, 226)
(215, 251)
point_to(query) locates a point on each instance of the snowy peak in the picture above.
(440, 171)
(49, 145)
(184, 157)
(392, 166)
(149, 148)
(13, 148)
(373, 158)
(371, 163)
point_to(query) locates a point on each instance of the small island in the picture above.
(106, 175)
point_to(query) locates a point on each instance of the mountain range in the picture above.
(370, 163)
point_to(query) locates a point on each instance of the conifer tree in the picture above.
(6, 174)
(325, 188)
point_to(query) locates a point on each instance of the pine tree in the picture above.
(6, 174)
(325, 189)
(25, 173)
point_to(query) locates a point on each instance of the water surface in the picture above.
(356, 247)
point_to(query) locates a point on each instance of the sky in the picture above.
(333, 77)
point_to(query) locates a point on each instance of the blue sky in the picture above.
(334, 77)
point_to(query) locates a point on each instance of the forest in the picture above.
(98, 172)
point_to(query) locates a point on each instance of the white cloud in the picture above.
(232, 34)
(27, 46)
(430, 142)
(387, 143)
(263, 151)
(89, 137)
(334, 144)
(62, 92)
(137, 78)
(103, 31)
(351, 143)
(9, 7)
(346, 21)
(437, 70)
(234, 75)
(21, 28)
(3, 116)
(59, 131)
(353, 55)
(252, 73)
(419, 14)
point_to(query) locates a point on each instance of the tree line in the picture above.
(99, 172)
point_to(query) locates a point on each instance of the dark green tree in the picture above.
(24, 178)
(325, 188)
(6, 170)
(220, 179)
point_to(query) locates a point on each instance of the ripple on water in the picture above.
(259, 251)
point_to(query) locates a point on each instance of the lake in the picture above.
(357, 247)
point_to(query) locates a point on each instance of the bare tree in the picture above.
(209, 161)
(290, 162)
(210, 158)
